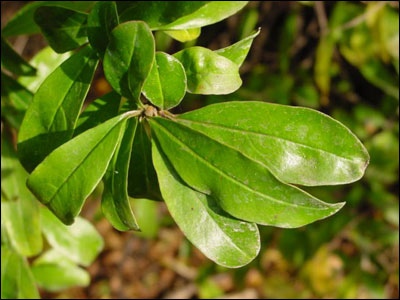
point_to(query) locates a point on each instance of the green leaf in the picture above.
(298, 145)
(242, 187)
(70, 173)
(17, 281)
(129, 57)
(184, 35)
(13, 62)
(222, 238)
(45, 62)
(80, 242)
(115, 202)
(64, 29)
(101, 21)
(54, 272)
(50, 120)
(238, 51)
(176, 15)
(165, 86)
(20, 213)
(146, 212)
(142, 180)
(22, 22)
(209, 73)
(98, 112)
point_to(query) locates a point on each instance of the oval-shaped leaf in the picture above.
(165, 86)
(238, 51)
(63, 28)
(242, 187)
(50, 120)
(184, 35)
(101, 21)
(142, 182)
(129, 58)
(80, 242)
(115, 201)
(298, 145)
(70, 173)
(176, 15)
(209, 73)
(13, 62)
(222, 238)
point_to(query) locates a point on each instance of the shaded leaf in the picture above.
(146, 212)
(184, 35)
(13, 62)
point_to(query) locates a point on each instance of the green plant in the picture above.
(221, 169)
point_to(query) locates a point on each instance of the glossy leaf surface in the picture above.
(64, 29)
(222, 238)
(184, 35)
(209, 73)
(165, 86)
(80, 242)
(101, 21)
(238, 51)
(50, 120)
(17, 281)
(13, 62)
(142, 182)
(55, 272)
(242, 187)
(298, 145)
(70, 173)
(181, 14)
(129, 58)
(115, 201)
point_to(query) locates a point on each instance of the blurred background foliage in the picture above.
(341, 58)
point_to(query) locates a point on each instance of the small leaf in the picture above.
(50, 120)
(17, 281)
(129, 57)
(80, 242)
(242, 187)
(222, 238)
(22, 22)
(115, 202)
(101, 21)
(45, 62)
(165, 86)
(142, 182)
(54, 272)
(209, 73)
(146, 212)
(64, 29)
(13, 62)
(238, 51)
(70, 173)
(176, 15)
(20, 214)
(298, 145)
(184, 35)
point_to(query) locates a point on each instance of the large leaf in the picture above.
(209, 73)
(54, 272)
(115, 202)
(298, 145)
(22, 22)
(70, 173)
(166, 84)
(101, 21)
(238, 51)
(64, 29)
(181, 14)
(222, 238)
(45, 62)
(17, 281)
(129, 57)
(13, 62)
(142, 182)
(20, 214)
(80, 242)
(242, 187)
(50, 120)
